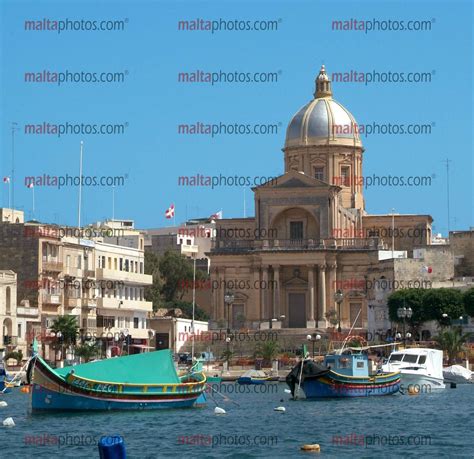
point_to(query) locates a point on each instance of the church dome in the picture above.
(323, 121)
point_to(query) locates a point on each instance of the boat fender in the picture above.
(9, 422)
(2, 403)
(281, 409)
(313, 448)
(25, 389)
(112, 447)
(287, 391)
(218, 410)
(413, 390)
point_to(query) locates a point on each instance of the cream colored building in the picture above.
(321, 238)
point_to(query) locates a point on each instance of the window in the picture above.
(135, 322)
(410, 358)
(345, 176)
(319, 173)
(127, 265)
(103, 261)
(121, 264)
(141, 267)
(360, 364)
(296, 230)
(79, 262)
(115, 264)
(19, 331)
(109, 263)
(422, 359)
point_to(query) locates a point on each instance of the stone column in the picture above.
(265, 311)
(322, 296)
(220, 294)
(256, 294)
(276, 292)
(215, 293)
(332, 285)
(312, 304)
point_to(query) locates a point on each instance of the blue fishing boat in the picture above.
(253, 377)
(140, 381)
(341, 375)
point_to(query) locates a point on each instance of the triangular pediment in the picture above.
(293, 179)
(296, 282)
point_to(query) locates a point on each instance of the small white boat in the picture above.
(420, 368)
(457, 374)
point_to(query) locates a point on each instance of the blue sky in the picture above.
(152, 51)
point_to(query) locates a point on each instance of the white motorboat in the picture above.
(420, 368)
(457, 374)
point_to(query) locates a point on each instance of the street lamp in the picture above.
(313, 338)
(338, 298)
(404, 313)
(228, 300)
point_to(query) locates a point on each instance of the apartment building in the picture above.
(95, 274)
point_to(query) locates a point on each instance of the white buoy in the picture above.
(282, 409)
(2, 403)
(9, 422)
(287, 391)
(218, 410)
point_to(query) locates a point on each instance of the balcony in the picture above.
(125, 305)
(114, 332)
(51, 298)
(10, 340)
(274, 245)
(73, 272)
(52, 265)
(73, 302)
(124, 276)
(88, 274)
(27, 311)
(90, 303)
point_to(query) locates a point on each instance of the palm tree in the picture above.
(452, 342)
(87, 351)
(268, 351)
(67, 326)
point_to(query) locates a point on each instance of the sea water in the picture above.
(426, 425)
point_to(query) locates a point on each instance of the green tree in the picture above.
(452, 341)
(87, 351)
(68, 327)
(16, 355)
(177, 273)
(153, 292)
(409, 298)
(437, 302)
(268, 350)
(468, 300)
(187, 308)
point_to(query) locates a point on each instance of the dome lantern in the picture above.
(323, 84)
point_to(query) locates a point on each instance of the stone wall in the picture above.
(462, 244)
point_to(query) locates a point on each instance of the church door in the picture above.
(297, 310)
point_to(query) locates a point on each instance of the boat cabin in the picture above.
(348, 364)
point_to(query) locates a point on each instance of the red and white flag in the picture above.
(216, 216)
(170, 212)
(30, 185)
(6, 179)
(427, 269)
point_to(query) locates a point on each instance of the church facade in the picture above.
(305, 260)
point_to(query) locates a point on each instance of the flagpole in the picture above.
(113, 202)
(33, 189)
(10, 194)
(80, 189)
(245, 212)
